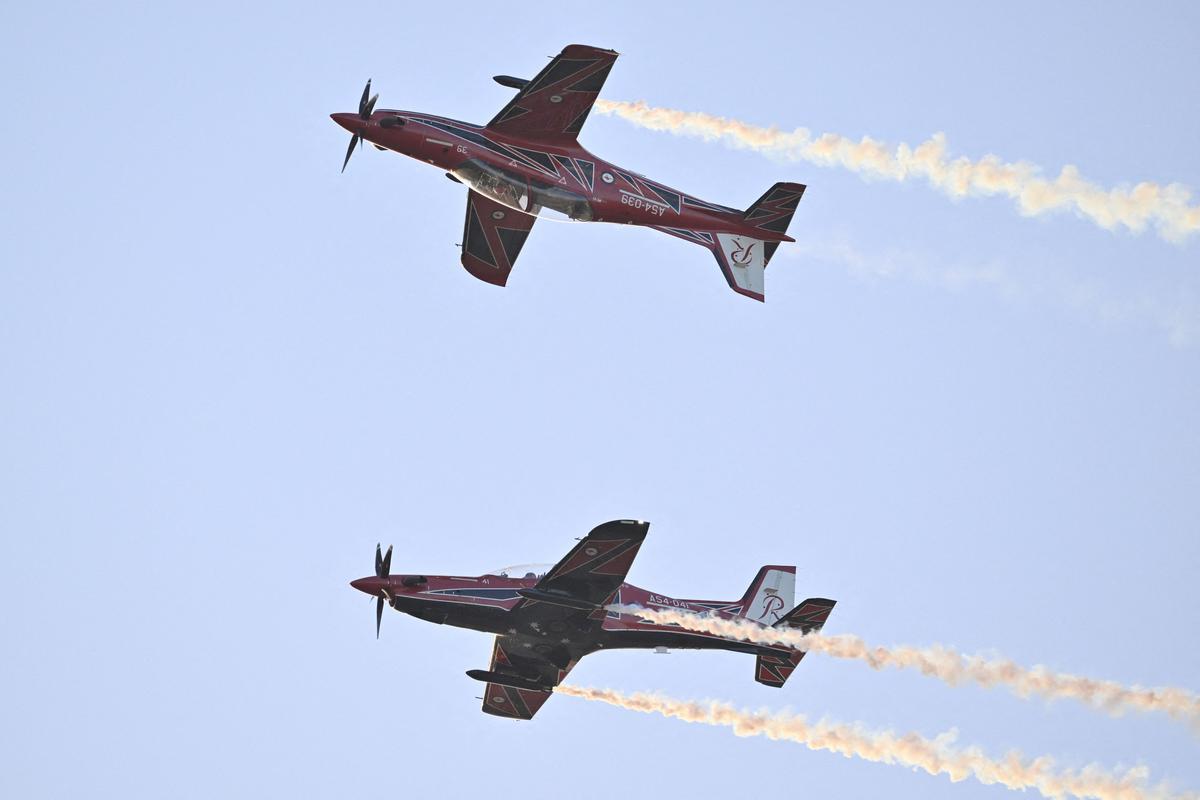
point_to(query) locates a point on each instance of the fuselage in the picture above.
(553, 174)
(489, 603)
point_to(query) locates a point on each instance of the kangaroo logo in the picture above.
(772, 604)
(742, 255)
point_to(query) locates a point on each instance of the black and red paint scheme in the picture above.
(527, 162)
(545, 624)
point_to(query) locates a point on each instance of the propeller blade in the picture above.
(366, 93)
(365, 112)
(350, 151)
(378, 616)
(378, 561)
(387, 563)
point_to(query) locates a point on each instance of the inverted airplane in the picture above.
(526, 162)
(545, 624)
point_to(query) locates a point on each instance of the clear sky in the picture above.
(227, 371)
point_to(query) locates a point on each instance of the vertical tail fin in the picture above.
(772, 590)
(743, 260)
(775, 668)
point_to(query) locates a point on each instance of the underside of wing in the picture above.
(556, 102)
(522, 675)
(492, 238)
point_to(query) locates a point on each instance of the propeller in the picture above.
(365, 106)
(383, 566)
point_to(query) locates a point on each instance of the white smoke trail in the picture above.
(1168, 208)
(935, 756)
(944, 663)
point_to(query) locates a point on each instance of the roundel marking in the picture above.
(556, 98)
(498, 700)
(497, 215)
(606, 177)
(590, 551)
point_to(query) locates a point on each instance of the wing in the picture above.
(525, 669)
(594, 569)
(492, 238)
(516, 662)
(556, 102)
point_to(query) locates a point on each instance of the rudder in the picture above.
(772, 590)
(742, 261)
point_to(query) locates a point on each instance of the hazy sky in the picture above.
(227, 371)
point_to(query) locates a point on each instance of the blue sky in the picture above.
(229, 370)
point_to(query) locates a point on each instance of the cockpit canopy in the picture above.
(515, 191)
(523, 571)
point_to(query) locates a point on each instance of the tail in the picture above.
(775, 668)
(772, 590)
(743, 258)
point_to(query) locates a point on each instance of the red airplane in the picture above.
(545, 624)
(527, 162)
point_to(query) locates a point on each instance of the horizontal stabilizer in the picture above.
(774, 670)
(773, 211)
(809, 616)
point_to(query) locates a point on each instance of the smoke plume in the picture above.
(935, 756)
(1168, 208)
(944, 663)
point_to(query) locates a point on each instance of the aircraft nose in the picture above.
(371, 585)
(351, 122)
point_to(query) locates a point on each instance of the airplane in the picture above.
(545, 624)
(527, 162)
